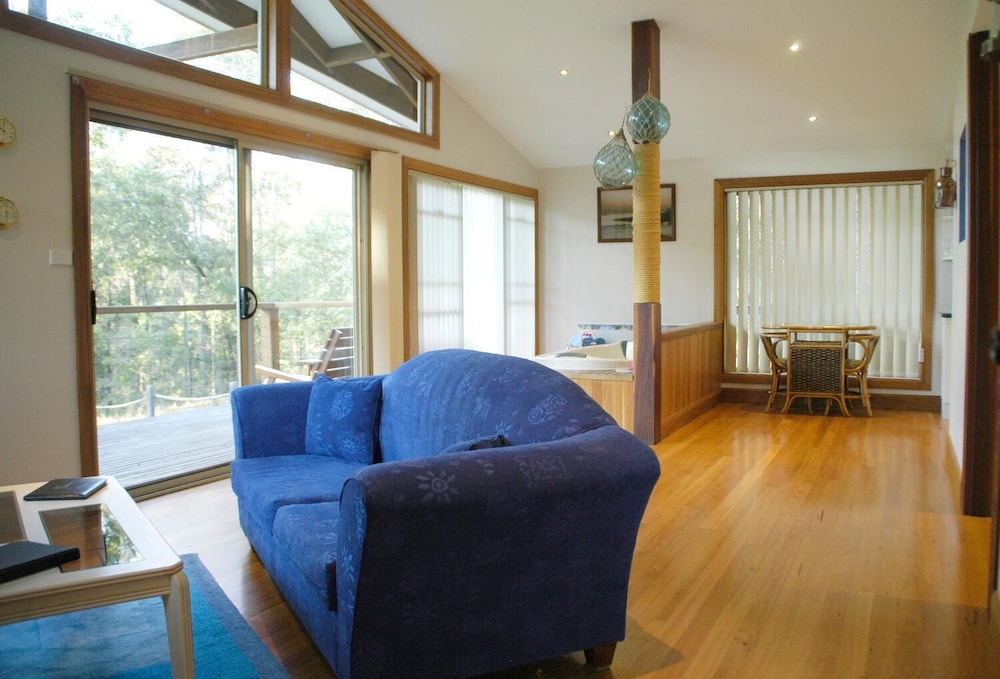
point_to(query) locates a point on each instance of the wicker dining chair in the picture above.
(779, 364)
(816, 370)
(856, 369)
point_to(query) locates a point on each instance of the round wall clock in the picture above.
(8, 213)
(8, 133)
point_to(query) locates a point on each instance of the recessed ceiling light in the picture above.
(812, 119)
(794, 47)
(611, 133)
(563, 72)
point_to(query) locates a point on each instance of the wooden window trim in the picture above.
(89, 95)
(925, 177)
(411, 165)
(276, 52)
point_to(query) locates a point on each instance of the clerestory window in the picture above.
(336, 54)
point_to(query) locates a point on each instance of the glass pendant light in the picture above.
(614, 165)
(648, 120)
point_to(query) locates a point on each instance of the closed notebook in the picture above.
(68, 489)
(18, 559)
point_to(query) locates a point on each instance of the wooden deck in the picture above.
(155, 448)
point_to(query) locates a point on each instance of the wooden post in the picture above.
(646, 260)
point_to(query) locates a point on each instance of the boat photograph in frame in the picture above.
(614, 214)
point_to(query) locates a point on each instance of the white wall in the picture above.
(38, 405)
(979, 19)
(579, 278)
(582, 280)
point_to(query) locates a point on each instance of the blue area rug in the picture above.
(129, 641)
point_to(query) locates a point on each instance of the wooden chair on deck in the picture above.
(313, 368)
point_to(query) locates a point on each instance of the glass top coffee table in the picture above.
(122, 558)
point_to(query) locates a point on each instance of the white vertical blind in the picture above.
(475, 268)
(834, 255)
(520, 277)
(439, 264)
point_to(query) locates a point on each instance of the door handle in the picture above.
(247, 302)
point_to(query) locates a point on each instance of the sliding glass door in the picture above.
(185, 228)
(302, 220)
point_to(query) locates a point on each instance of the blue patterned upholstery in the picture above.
(497, 529)
(342, 418)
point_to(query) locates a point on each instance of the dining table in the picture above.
(827, 362)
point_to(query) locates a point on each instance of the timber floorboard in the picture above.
(785, 546)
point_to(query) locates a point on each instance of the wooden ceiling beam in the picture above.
(645, 59)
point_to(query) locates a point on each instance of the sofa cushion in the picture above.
(308, 534)
(265, 484)
(449, 395)
(342, 417)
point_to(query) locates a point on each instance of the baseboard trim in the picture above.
(677, 420)
(919, 402)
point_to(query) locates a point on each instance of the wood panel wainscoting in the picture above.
(615, 392)
(690, 379)
(806, 547)
(691, 376)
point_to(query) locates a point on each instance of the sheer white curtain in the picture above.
(845, 255)
(475, 268)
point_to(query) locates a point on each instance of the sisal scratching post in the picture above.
(646, 291)
(646, 224)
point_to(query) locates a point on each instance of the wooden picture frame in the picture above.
(614, 214)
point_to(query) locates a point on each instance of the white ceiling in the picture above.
(876, 73)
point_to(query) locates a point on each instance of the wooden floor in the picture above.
(786, 546)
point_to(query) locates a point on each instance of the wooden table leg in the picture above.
(177, 607)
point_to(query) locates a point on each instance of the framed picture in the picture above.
(614, 214)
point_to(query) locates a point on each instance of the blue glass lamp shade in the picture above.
(648, 120)
(614, 165)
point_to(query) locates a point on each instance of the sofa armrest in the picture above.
(270, 419)
(533, 542)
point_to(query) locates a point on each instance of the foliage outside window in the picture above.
(338, 55)
(830, 250)
(163, 240)
(223, 42)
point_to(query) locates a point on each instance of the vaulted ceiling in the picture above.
(875, 73)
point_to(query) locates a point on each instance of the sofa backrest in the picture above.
(442, 398)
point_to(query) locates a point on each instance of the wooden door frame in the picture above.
(87, 94)
(979, 483)
(981, 456)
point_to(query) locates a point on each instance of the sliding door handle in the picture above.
(248, 302)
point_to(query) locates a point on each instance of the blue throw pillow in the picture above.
(342, 417)
(498, 441)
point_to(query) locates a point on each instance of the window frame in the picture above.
(927, 296)
(276, 20)
(412, 165)
(90, 96)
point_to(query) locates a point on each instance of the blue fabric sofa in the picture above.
(466, 513)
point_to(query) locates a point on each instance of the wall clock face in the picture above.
(7, 132)
(8, 213)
